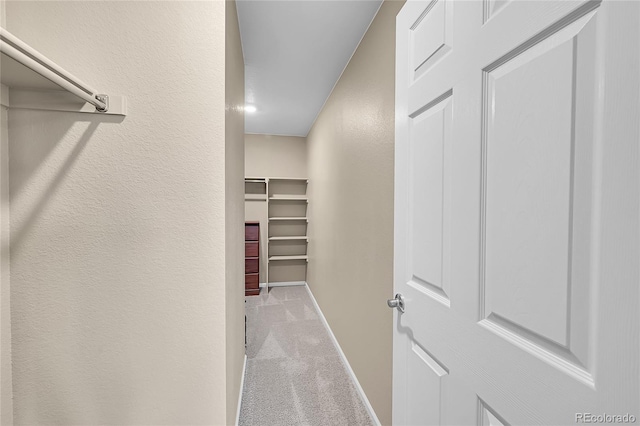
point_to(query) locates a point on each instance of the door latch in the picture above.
(397, 302)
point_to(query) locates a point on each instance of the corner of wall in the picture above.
(234, 208)
(6, 376)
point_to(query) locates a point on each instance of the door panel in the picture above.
(426, 387)
(487, 417)
(534, 238)
(517, 228)
(430, 138)
(431, 36)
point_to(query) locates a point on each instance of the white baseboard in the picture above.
(244, 370)
(262, 285)
(287, 283)
(367, 404)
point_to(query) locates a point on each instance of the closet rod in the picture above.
(15, 48)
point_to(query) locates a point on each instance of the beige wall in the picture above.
(351, 155)
(6, 385)
(272, 156)
(234, 198)
(275, 156)
(119, 274)
(6, 403)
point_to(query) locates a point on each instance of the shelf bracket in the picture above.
(49, 100)
(105, 100)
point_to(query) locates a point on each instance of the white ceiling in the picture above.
(294, 52)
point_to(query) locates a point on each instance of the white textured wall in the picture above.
(118, 227)
(351, 149)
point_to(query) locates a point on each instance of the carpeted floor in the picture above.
(294, 374)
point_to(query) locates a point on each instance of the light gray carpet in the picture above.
(294, 374)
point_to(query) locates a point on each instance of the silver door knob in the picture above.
(397, 302)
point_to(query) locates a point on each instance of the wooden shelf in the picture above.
(251, 258)
(300, 257)
(288, 218)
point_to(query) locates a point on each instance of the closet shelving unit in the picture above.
(30, 80)
(287, 204)
(287, 207)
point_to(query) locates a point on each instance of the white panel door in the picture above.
(517, 212)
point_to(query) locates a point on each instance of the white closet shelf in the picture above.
(293, 238)
(300, 257)
(288, 198)
(255, 197)
(294, 179)
(287, 218)
(36, 82)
